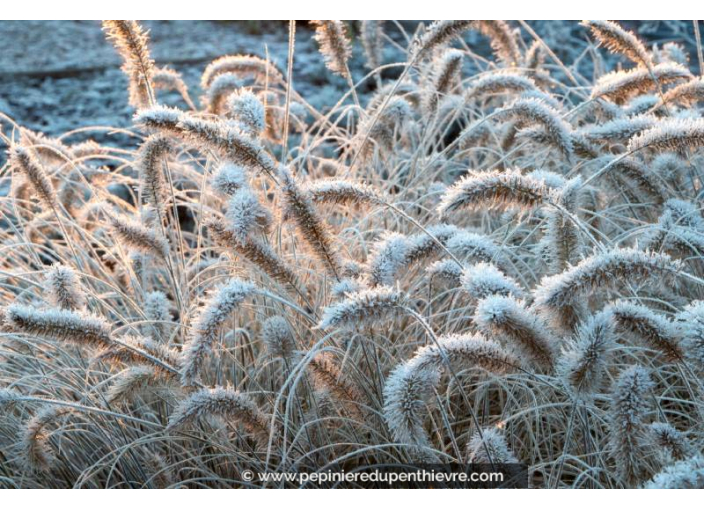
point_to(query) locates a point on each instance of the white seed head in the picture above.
(229, 178)
(249, 111)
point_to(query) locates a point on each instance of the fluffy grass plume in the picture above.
(621, 86)
(334, 44)
(489, 447)
(583, 365)
(365, 307)
(78, 327)
(629, 410)
(232, 406)
(507, 318)
(132, 43)
(407, 395)
(494, 190)
(535, 111)
(225, 300)
(617, 40)
(607, 269)
(299, 206)
(24, 161)
(671, 135)
(64, 288)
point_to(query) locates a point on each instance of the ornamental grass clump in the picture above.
(378, 243)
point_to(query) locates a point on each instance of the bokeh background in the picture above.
(56, 76)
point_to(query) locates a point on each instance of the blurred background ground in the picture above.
(57, 76)
(61, 75)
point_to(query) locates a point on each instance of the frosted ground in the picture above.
(61, 75)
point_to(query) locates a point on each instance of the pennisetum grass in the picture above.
(489, 447)
(232, 406)
(225, 300)
(494, 190)
(495, 255)
(628, 430)
(132, 43)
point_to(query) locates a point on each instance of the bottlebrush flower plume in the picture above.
(64, 288)
(206, 327)
(494, 190)
(366, 307)
(230, 405)
(334, 44)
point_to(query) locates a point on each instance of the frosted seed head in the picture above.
(437, 34)
(465, 352)
(248, 110)
(157, 309)
(494, 190)
(221, 86)
(64, 288)
(366, 307)
(229, 178)
(422, 246)
(245, 66)
(521, 329)
(220, 304)
(245, 215)
(407, 396)
(674, 444)
(471, 246)
(484, 279)
(629, 398)
(605, 269)
(278, 338)
(347, 286)
(489, 447)
(226, 403)
(159, 117)
(75, 326)
(498, 83)
(447, 271)
(619, 41)
(536, 111)
(334, 44)
(340, 191)
(691, 328)
(621, 86)
(671, 52)
(389, 255)
(685, 474)
(631, 403)
(371, 34)
(647, 327)
(584, 362)
(685, 214)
